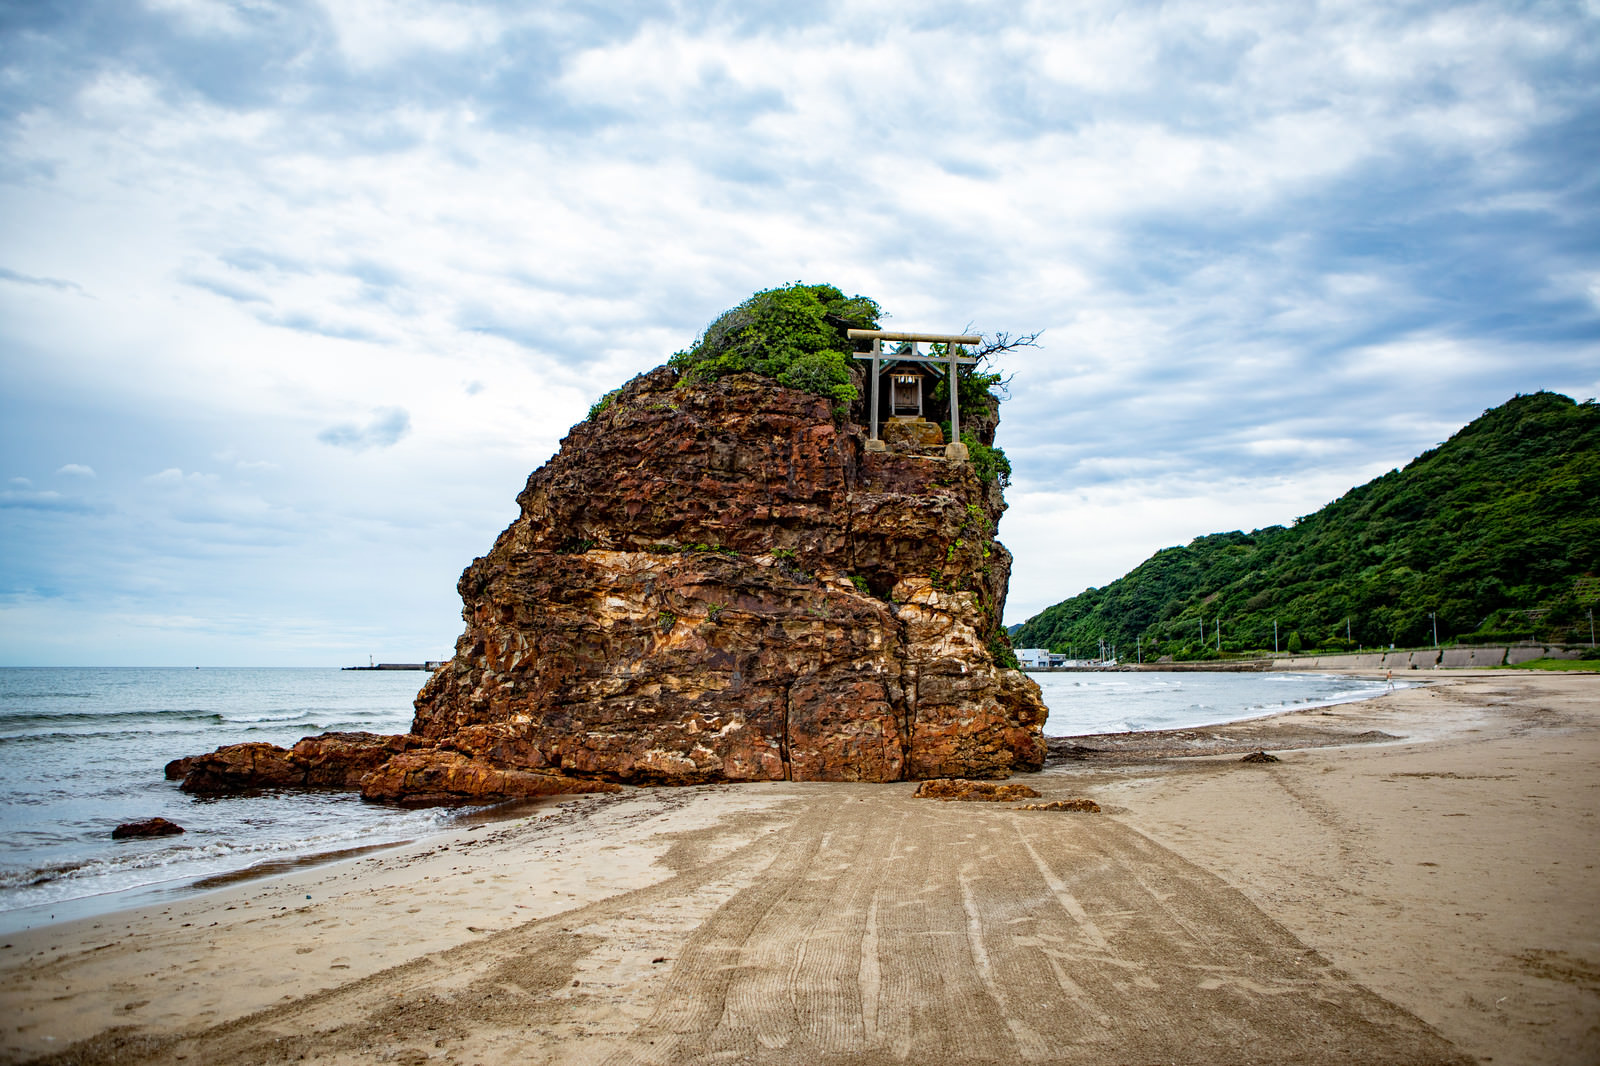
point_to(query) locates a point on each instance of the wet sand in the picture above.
(1429, 898)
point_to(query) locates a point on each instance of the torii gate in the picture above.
(955, 449)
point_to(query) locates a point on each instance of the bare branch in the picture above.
(1005, 342)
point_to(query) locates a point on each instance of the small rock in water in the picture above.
(178, 769)
(150, 827)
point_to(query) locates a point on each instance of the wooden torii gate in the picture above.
(955, 449)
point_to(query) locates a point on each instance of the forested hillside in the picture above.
(1496, 532)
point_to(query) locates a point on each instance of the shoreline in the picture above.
(108, 905)
(1425, 897)
(1259, 711)
(110, 902)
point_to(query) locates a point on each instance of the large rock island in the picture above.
(714, 579)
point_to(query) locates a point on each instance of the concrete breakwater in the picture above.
(1456, 658)
(1233, 666)
(431, 664)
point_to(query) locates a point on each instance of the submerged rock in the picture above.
(710, 581)
(150, 827)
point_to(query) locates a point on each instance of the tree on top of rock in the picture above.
(796, 335)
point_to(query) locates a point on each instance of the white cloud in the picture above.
(206, 16)
(383, 430)
(174, 476)
(23, 499)
(388, 248)
(1300, 446)
(59, 284)
(373, 33)
(76, 470)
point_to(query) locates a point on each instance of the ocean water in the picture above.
(1114, 702)
(82, 750)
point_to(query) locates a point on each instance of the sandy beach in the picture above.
(1412, 882)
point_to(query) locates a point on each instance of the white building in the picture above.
(1042, 659)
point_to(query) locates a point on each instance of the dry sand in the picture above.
(1430, 899)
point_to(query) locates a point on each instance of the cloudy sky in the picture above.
(294, 294)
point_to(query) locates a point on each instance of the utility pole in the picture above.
(1274, 636)
(1138, 648)
(1218, 628)
(1347, 629)
(1591, 627)
(1435, 620)
(1202, 631)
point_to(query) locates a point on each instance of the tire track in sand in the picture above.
(869, 929)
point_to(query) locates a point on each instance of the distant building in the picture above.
(1041, 659)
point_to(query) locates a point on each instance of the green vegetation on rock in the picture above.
(598, 407)
(797, 335)
(990, 464)
(1496, 532)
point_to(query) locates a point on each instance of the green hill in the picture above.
(1496, 532)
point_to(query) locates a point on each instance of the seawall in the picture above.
(1456, 658)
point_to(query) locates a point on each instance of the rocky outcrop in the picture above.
(241, 767)
(719, 582)
(343, 760)
(404, 769)
(426, 778)
(709, 582)
(332, 760)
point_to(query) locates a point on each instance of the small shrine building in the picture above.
(900, 386)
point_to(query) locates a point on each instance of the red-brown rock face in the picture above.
(332, 760)
(708, 583)
(426, 778)
(718, 582)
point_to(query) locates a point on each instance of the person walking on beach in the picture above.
(1388, 675)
